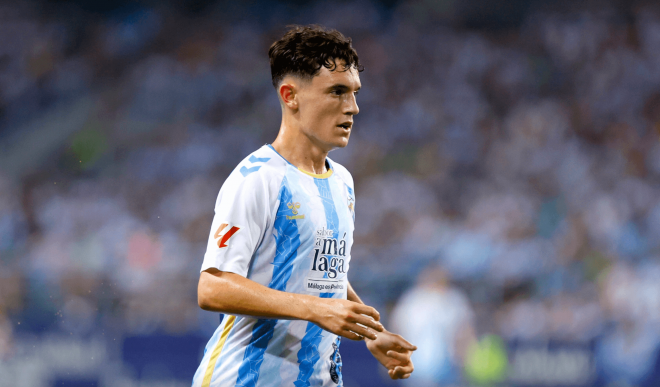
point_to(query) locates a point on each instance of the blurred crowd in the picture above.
(519, 166)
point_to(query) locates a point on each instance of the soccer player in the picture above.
(280, 243)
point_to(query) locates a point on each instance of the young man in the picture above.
(280, 243)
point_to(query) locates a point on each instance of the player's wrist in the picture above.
(309, 309)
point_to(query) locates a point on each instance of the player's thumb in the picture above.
(406, 345)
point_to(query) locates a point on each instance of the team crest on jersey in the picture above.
(351, 206)
(224, 238)
(294, 210)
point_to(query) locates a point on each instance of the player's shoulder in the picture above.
(262, 167)
(262, 163)
(341, 172)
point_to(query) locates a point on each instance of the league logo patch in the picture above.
(222, 242)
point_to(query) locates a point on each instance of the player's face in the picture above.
(327, 105)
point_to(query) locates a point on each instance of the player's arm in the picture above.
(390, 349)
(230, 293)
(352, 296)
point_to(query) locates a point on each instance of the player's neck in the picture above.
(300, 150)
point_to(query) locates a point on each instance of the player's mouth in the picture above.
(346, 125)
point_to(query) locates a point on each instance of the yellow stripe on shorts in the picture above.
(216, 351)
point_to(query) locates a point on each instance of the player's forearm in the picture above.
(352, 296)
(233, 294)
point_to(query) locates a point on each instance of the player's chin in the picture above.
(341, 144)
(342, 140)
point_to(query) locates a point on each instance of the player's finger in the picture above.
(399, 371)
(368, 310)
(395, 376)
(404, 344)
(362, 331)
(398, 356)
(367, 321)
(351, 335)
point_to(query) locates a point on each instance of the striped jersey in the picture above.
(292, 231)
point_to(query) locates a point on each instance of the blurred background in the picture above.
(506, 161)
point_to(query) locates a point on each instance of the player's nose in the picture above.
(351, 106)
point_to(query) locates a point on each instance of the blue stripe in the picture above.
(287, 239)
(308, 354)
(331, 217)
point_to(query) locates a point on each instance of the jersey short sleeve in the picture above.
(240, 220)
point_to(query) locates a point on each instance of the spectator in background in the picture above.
(439, 315)
(627, 352)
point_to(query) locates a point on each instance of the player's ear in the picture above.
(287, 93)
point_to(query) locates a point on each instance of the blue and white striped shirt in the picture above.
(291, 231)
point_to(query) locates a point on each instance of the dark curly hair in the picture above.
(304, 49)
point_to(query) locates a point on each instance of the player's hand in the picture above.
(343, 318)
(394, 352)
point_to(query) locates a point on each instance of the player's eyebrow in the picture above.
(341, 87)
